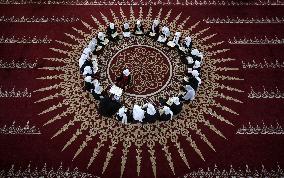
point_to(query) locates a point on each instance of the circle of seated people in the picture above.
(110, 104)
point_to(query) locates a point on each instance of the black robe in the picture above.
(149, 118)
(165, 117)
(176, 109)
(156, 31)
(89, 86)
(136, 29)
(86, 63)
(108, 107)
(110, 32)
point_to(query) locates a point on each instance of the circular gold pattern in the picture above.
(149, 69)
(108, 133)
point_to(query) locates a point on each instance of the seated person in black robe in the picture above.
(196, 55)
(112, 32)
(122, 115)
(88, 83)
(165, 114)
(188, 61)
(138, 29)
(186, 46)
(109, 106)
(175, 105)
(193, 80)
(163, 38)
(97, 92)
(150, 113)
(102, 41)
(124, 79)
(154, 30)
(125, 30)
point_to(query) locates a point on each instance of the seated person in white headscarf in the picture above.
(197, 66)
(85, 59)
(189, 93)
(196, 55)
(124, 79)
(125, 30)
(186, 45)
(88, 83)
(138, 29)
(175, 41)
(192, 79)
(112, 32)
(138, 114)
(165, 114)
(109, 106)
(188, 61)
(121, 115)
(150, 113)
(93, 46)
(102, 40)
(175, 105)
(164, 36)
(154, 30)
(88, 71)
(97, 91)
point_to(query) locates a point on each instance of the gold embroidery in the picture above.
(81, 109)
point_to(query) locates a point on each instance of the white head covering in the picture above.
(126, 72)
(101, 35)
(95, 66)
(87, 51)
(196, 64)
(121, 113)
(189, 60)
(176, 38)
(138, 113)
(166, 31)
(116, 91)
(87, 70)
(195, 52)
(187, 41)
(126, 25)
(88, 79)
(195, 73)
(167, 110)
(82, 59)
(98, 89)
(138, 22)
(189, 70)
(199, 80)
(92, 45)
(176, 100)
(190, 94)
(155, 24)
(111, 26)
(151, 109)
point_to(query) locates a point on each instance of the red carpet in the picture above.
(49, 127)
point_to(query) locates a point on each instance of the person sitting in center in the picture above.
(150, 113)
(112, 32)
(125, 30)
(138, 29)
(164, 36)
(102, 40)
(121, 115)
(175, 41)
(165, 114)
(138, 114)
(155, 29)
(124, 79)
